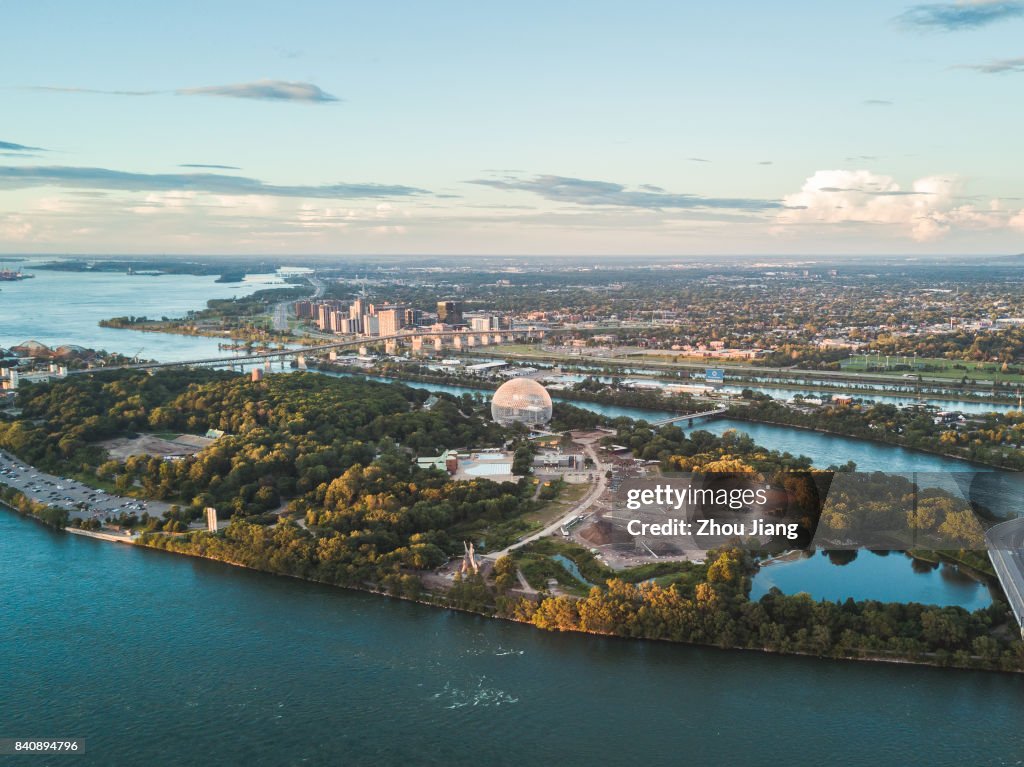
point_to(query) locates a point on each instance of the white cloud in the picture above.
(928, 210)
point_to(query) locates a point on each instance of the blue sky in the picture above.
(512, 128)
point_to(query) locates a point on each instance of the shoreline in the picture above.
(99, 535)
(495, 616)
(418, 378)
(748, 371)
(873, 440)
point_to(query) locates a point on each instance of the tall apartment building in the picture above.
(347, 326)
(323, 316)
(371, 325)
(389, 321)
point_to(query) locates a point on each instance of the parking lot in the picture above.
(81, 501)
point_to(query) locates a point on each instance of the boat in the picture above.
(9, 275)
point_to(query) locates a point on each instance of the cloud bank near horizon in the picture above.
(265, 90)
(590, 192)
(27, 176)
(932, 208)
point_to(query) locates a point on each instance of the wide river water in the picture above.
(154, 658)
(57, 308)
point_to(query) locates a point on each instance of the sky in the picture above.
(533, 128)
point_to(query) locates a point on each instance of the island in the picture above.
(344, 481)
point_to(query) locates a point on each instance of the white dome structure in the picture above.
(521, 400)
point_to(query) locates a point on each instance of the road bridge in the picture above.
(302, 351)
(1006, 551)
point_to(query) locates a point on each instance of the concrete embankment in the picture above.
(116, 537)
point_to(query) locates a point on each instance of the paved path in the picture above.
(585, 503)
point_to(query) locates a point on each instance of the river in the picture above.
(156, 659)
(57, 308)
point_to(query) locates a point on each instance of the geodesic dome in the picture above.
(521, 400)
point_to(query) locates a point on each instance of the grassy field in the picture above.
(498, 535)
(681, 357)
(552, 510)
(934, 367)
(532, 349)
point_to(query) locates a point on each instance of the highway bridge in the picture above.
(1006, 550)
(459, 338)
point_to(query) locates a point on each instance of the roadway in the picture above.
(1006, 550)
(283, 310)
(585, 503)
(747, 372)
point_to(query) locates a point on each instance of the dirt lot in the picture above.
(149, 444)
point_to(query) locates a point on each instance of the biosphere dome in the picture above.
(521, 400)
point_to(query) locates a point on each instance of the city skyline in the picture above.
(585, 128)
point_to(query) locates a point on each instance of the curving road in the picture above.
(585, 503)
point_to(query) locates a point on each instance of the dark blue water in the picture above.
(157, 659)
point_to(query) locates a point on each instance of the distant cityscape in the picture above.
(361, 317)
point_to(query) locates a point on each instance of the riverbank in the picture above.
(519, 612)
(233, 334)
(521, 608)
(457, 681)
(652, 401)
(734, 411)
(101, 536)
(736, 415)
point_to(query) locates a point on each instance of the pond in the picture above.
(886, 577)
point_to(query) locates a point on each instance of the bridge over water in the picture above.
(1006, 551)
(301, 351)
(691, 416)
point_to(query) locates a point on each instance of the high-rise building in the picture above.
(338, 317)
(323, 316)
(389, 321)
(347, 326)
(449, 312)
(413, 317)
(357, 309)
